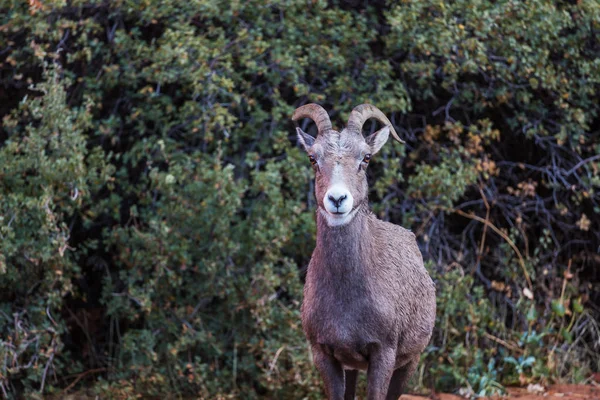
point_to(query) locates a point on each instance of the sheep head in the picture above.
(340, 159)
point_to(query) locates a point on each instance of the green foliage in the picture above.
(156, 217)
(48, 177)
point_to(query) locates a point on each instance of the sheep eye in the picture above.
(367, 158)
(312, 159)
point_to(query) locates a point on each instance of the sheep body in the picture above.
(366, 284)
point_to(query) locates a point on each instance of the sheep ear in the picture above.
(305, 139)
(377, 140)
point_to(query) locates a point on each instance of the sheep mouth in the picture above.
(337, 218)
(339, 214)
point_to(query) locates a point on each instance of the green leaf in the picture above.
(558, 308)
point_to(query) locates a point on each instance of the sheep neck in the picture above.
(345, 247)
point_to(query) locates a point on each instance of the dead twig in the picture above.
(505, 237)
(79, 377)
(274, 362)
(46, 372)
(485, 225)
(503, 343)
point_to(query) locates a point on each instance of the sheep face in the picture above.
(340, 161)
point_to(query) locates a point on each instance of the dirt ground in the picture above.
(555, 392)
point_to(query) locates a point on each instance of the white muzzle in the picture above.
(338, 202)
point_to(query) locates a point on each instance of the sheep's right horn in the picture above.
(360, 115)
(316, 113)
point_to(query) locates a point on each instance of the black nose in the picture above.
(337, 202)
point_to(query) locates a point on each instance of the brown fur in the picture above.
(369, 303)
(340, 150)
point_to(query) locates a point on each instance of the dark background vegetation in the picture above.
(156, 215)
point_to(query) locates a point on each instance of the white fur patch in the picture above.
(338, 219)
(337, 216)
(338, 191)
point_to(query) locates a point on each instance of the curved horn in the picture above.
(316, 113)
(360, 115)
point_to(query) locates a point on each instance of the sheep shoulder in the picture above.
(401, 276)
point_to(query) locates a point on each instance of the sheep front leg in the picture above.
(331, 372)
(379, 373)
(400, 378)
(350, 375)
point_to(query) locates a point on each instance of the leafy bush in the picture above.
(156, 216)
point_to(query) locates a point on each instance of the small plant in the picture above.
(520, 364)
(482, 379)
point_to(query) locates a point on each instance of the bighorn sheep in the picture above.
(369, 303)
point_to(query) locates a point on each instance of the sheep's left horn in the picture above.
(360, 115)
(316, 113)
